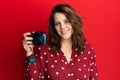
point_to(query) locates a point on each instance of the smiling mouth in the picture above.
(64, 32)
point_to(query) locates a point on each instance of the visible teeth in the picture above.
(63, 32)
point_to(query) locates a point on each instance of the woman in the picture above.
(67, 55)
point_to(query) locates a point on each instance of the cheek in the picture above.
(57, 29)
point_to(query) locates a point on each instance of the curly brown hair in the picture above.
(78, 40)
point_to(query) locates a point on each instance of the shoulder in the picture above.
(89, 52)
(89, 48)
(88, 45)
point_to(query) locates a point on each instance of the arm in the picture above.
(93, 67)
(32, 70)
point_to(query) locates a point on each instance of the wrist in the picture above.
(29, 53)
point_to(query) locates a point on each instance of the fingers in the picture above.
(27, 42)
(28, 49)
(27, 38)
(26, 34)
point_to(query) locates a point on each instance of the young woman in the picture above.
(67, 55)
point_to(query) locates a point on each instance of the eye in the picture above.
(57, 24)
(66, 21)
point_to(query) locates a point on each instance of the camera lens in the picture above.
(39, 38)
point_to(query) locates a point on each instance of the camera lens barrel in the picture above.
(39, 38)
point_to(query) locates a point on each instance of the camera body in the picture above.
(39, 38)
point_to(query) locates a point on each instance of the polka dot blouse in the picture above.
(56, 67)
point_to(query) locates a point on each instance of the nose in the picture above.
(63, 25)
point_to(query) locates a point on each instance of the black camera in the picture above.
(39, 38)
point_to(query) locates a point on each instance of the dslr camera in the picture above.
(39, 38)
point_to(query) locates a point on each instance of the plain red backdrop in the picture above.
(101, 25)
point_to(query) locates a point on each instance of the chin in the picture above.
(66, 38)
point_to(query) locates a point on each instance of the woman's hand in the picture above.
(27, 43)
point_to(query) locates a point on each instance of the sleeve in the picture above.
(93, 66)
(34, 71)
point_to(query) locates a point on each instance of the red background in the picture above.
(101, 25)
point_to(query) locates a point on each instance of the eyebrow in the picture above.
(63, 20)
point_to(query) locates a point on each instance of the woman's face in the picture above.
(63, 26)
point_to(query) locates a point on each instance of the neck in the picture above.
(66, 44)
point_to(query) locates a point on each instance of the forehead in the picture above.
(59, 16)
